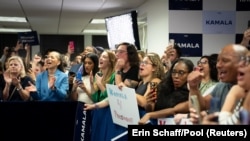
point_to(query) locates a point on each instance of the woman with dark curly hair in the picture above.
(127, 65)
(172, 93)
(207, 65)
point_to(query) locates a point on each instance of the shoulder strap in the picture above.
(12, 93)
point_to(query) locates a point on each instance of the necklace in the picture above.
(50, 75)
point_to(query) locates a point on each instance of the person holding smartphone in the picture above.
(172, 53)
(246, 36)
(172, 93)
(227, 75)
(81, 89)
(102, 125)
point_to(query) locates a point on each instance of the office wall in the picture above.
(161, 21)
(156, 13)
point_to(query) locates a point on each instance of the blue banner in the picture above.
(82, 124)
(185, 4)
(190, 44)
(28, 37)
(219, 22)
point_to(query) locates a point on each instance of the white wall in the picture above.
(87, 40)
(157, 33)
(157, 25)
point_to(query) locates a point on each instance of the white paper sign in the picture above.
(123, 105)
(166, 121)
(186, 121)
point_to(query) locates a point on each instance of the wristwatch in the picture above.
(119, 72)
(19, 89)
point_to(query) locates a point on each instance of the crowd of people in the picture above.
(163, 84)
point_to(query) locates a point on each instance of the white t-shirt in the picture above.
(82, 95)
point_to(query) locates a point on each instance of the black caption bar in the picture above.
(204, 132)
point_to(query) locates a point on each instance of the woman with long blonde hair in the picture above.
(15, 80)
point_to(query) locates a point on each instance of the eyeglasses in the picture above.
(202, 62)
(245, 60)
(180, 73)
(47, 56)
(120, 51)
(145, 63)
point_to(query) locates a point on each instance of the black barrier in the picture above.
(38, 121)
(82, 124)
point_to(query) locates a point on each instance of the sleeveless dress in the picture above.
(102, 126)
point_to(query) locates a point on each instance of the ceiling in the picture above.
(64, 16)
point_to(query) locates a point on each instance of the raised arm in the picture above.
(179, 108)
(246, 38)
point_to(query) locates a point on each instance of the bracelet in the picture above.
(96, 106)
(53, 87)
(119, 72)
(18, 89)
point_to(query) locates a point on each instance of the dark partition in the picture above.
(9, 40)
(36, 121)
(60, 43)
(100, 40)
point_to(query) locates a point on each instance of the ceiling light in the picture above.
(141, 22)
(102, 21)
(97, 21)
(12, 19)
(94, 31)
(14, 30)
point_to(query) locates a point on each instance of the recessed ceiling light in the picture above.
(14, 30)
(102, 21)
(13, 19)
(97, 21)
(94, 31)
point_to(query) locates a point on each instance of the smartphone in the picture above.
(79, 77)
(171, 42)
(153, 85)
(196, 105)
(72, 45)
(99, 74)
